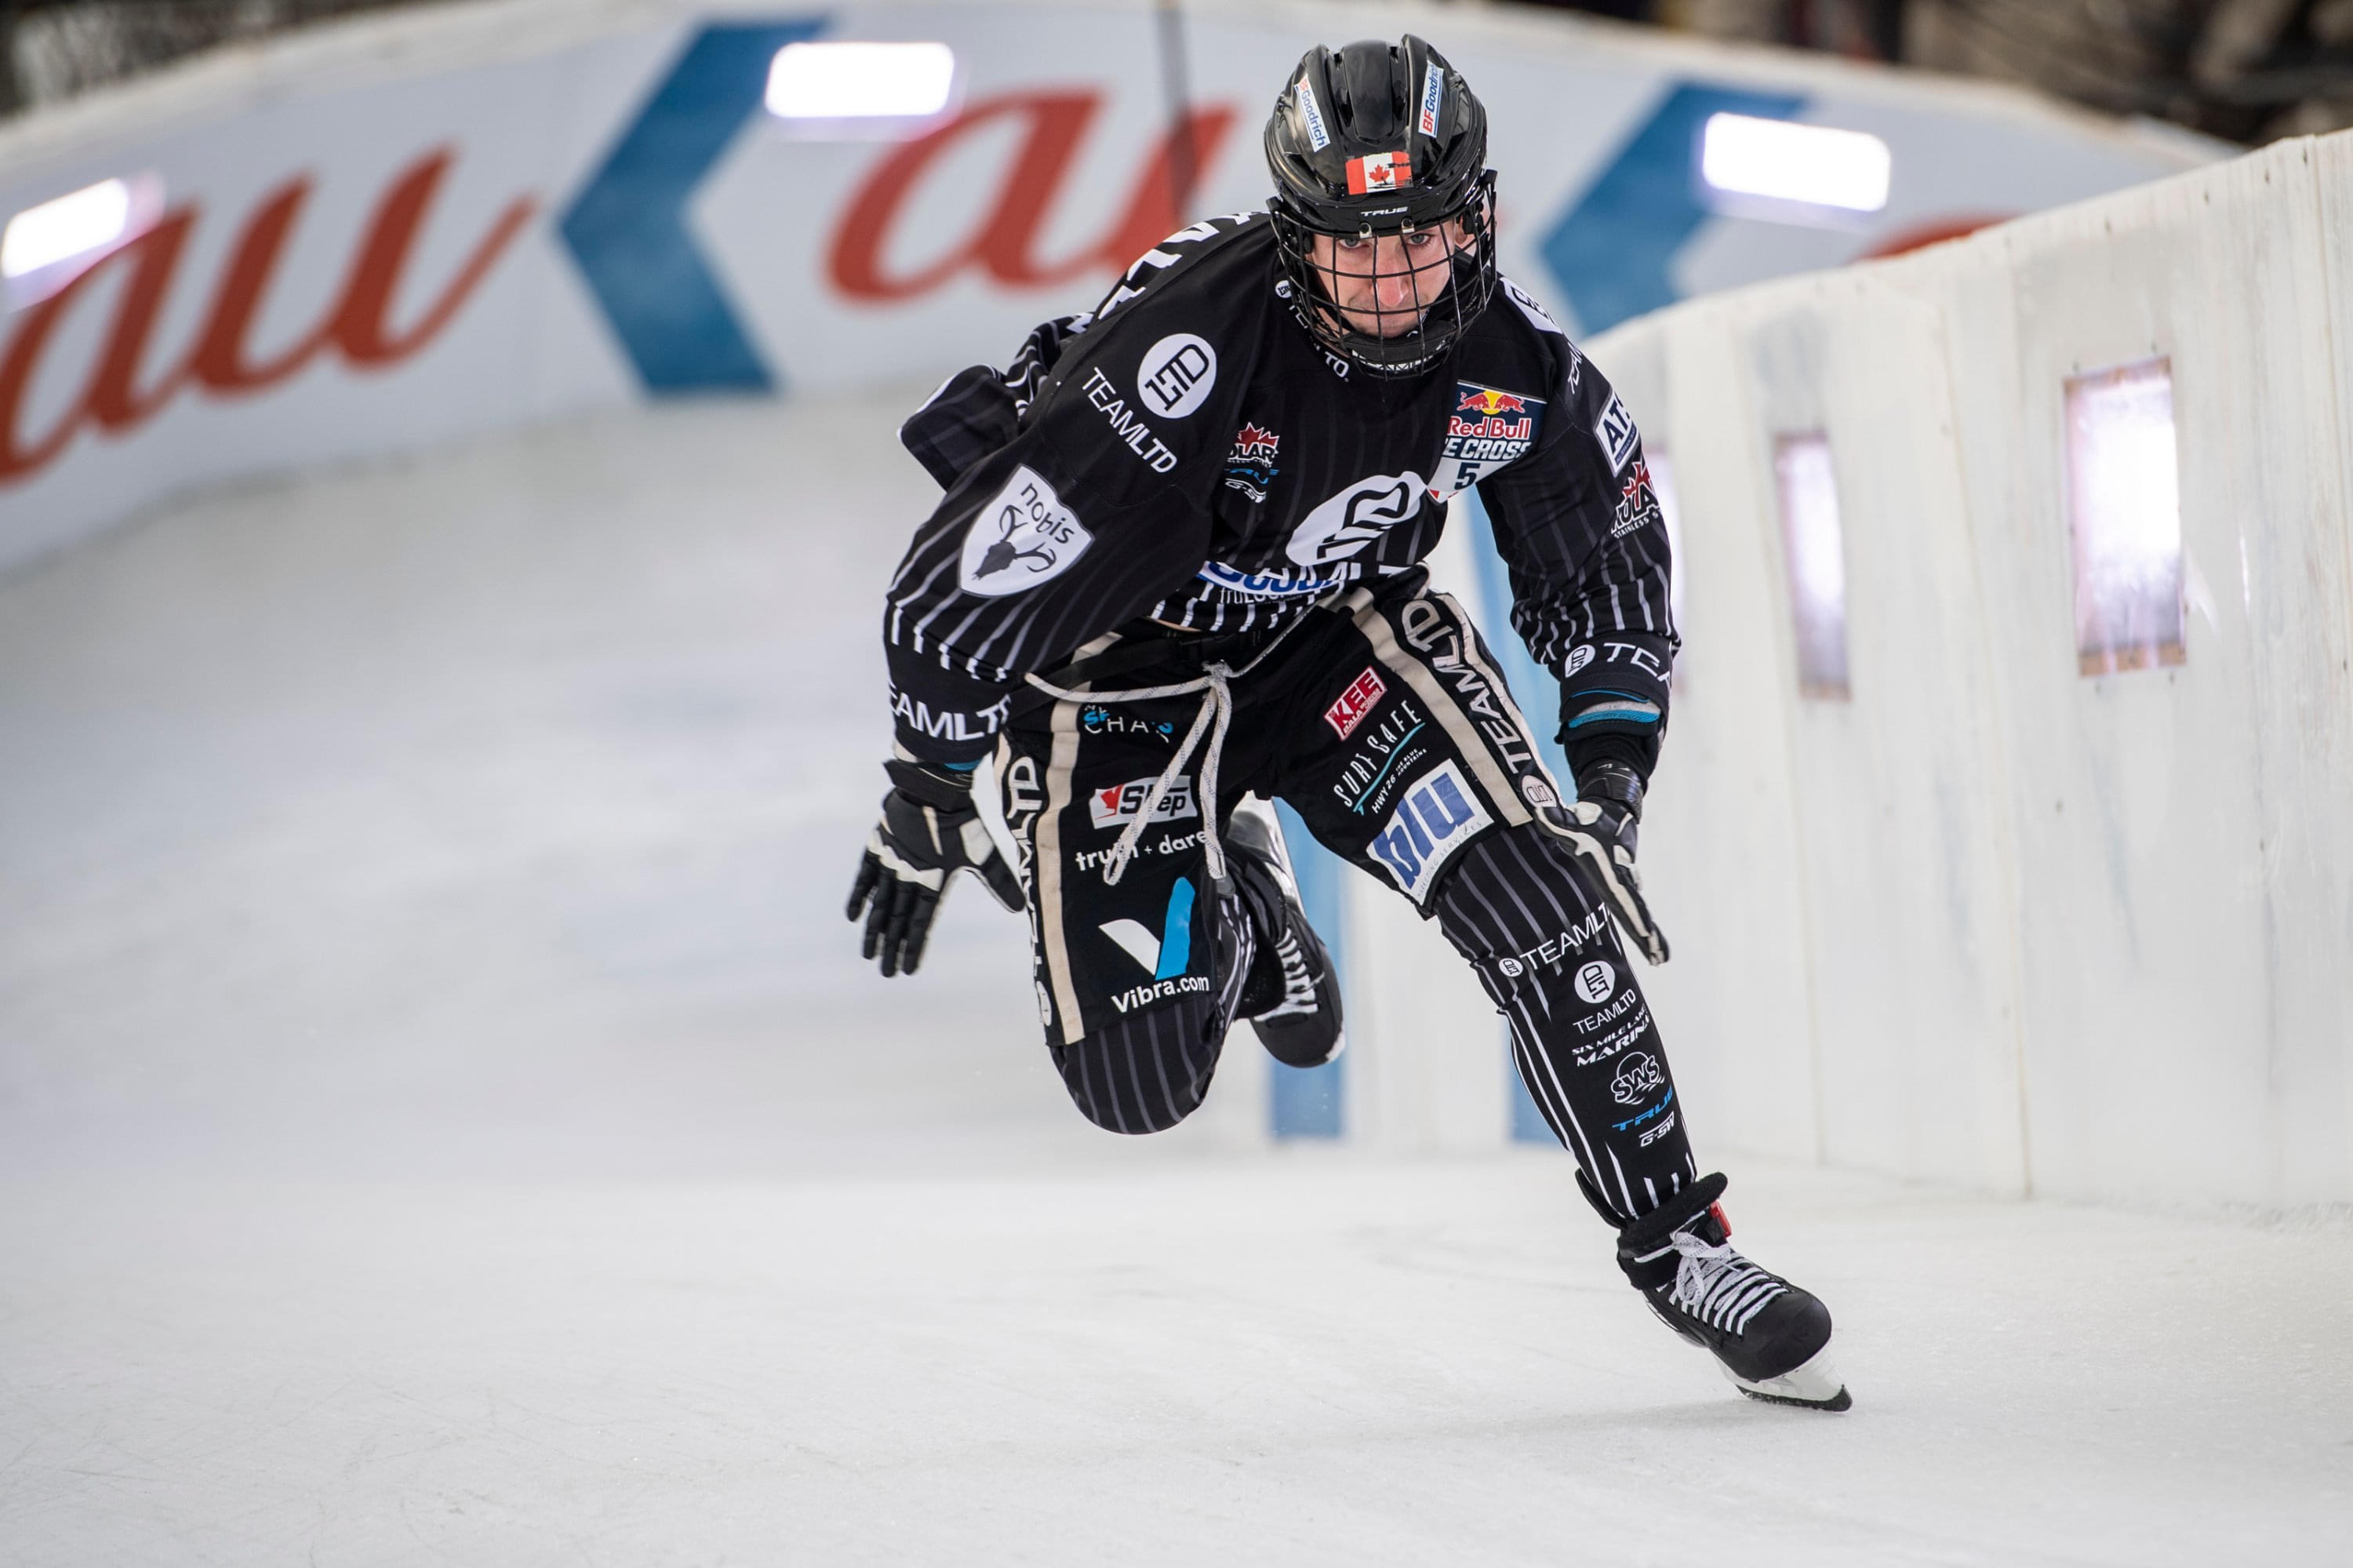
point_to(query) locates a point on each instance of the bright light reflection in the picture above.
(859, 80)
(1817, 560)
(71, 225)
(1784, 161)
(2123, 507)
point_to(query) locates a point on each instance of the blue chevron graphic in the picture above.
(626, 229)
(1610, 251)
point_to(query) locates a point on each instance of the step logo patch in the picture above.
(1117, 806)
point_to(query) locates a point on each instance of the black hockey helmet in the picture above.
(1376, 139)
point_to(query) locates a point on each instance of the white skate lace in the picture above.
(1298, 980)
(1717, 1285)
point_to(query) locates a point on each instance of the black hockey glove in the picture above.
(1603, 827)
(929, 830)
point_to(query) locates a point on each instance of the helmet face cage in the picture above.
(1384, 210)
(1346, 287)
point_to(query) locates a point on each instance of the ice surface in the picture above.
(441, 1117)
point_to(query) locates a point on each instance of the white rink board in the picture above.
(2024, 928)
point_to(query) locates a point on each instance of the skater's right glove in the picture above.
(1603, 826)
(930, 829)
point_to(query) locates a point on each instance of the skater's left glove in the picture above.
(1604, 825)
(929, 831)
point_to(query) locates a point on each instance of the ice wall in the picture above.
(1990, 919)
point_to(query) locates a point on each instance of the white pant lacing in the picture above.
(1215, 717)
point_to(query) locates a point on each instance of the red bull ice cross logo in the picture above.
(1490, 429)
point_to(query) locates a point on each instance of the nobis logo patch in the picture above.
(1023, 537)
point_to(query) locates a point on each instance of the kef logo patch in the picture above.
(1438, 816)
(1490, 427)
(1363, 692)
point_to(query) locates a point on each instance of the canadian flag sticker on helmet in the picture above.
(1378, 172)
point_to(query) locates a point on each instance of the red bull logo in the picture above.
(1487, 401)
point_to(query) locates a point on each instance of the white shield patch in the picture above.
(1023, 537)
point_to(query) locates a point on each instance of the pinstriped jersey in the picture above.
(1188, 454)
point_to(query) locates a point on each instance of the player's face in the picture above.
(1383, 285)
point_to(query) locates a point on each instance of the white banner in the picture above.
(416, 228)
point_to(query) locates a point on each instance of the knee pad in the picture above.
(1147, 1072)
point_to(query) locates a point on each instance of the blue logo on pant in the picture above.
(1436, 817)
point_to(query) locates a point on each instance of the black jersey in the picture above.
(1187, 454)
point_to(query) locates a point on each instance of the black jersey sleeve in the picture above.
(1580, 528)
(1096, 507)
(981, 407)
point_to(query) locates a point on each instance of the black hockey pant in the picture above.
(1384, 723)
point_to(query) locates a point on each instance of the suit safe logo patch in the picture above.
(1490, 429)
(1119, 804)
(1438, 816)
(1023, 537)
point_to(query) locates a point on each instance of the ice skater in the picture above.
(1178, 561)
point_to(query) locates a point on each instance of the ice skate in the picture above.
(1771, 1338)
(1292, 997)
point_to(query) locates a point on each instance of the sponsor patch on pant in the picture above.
(1118, 804)
(1438, 815)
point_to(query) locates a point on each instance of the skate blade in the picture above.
(1812, 1386)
